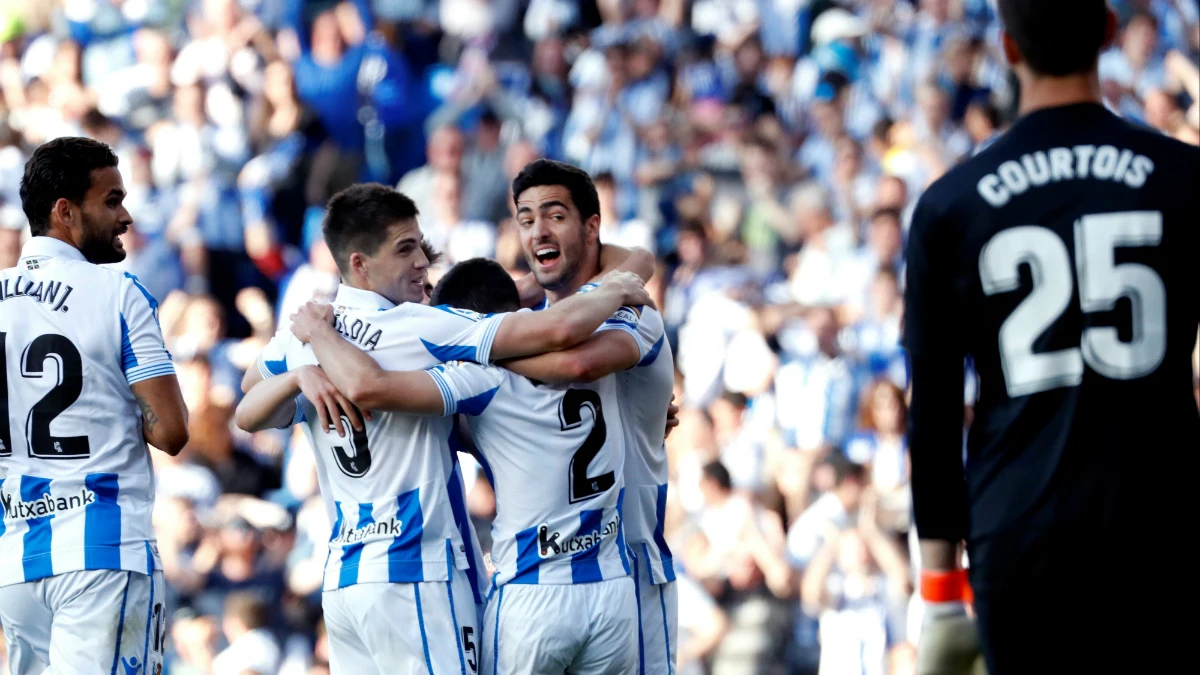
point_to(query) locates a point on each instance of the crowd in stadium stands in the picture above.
(768, 151)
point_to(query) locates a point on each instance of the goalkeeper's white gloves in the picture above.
(949, 643)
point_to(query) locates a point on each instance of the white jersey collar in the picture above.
(49, 247)
(357, 298)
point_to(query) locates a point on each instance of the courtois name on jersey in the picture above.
(643, 395)
(394, 492)
(553, 454)
(76, 485)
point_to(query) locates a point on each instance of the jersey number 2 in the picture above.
(570, 416)
(42, 444)
(1101, 282)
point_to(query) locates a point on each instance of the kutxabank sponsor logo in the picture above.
(46, 505)
(551, 544)
(389, 528)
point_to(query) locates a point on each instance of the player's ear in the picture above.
(1111, 25)
(591, 228)
(67, 211)
(358, 263)
(1011, 53)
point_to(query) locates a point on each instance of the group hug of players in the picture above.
(567, 407)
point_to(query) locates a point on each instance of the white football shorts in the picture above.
(89, 621)
(403, 629)
(582, 629)
(658, 622)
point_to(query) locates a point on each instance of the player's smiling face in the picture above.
(398, 269)
(103, 218)
(555, 239)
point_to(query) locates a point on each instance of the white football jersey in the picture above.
(553, 454)
(643, 395)
(394, 492)
(76, 485)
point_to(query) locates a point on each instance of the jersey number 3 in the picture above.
(1101, 283)
(66, 389)
(570, 416)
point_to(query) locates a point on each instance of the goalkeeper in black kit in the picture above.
(1065, 260)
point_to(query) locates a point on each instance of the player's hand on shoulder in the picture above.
(334, 410)
(309, 318)
(630, 286)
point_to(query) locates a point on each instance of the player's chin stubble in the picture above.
(98, 247)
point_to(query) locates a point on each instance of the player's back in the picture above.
(394, 490)
(554, 455)
(76, 484)
(643, 395)
(1066, 259)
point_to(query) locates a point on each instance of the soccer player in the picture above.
(1062, 259)
(85, 383)
(561, 599)
(395, 594)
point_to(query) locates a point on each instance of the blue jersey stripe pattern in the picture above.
(527, 557)
(353, 553)
(621, 547)
(36, 562)
(585, 565)
(102, 524)
(458, 505)
(660, 540)
(404, 553)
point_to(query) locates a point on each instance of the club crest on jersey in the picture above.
(551, 544)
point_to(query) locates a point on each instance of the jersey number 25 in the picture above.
(1101, 283)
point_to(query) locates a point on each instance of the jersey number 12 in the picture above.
(1101, 283)
(66, 389)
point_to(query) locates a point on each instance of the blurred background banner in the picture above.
(769, 152)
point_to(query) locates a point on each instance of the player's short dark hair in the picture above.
(550, 172)
(358, 218)
(60, 169)
(480, 285)
(1063, 37)
(717, 473)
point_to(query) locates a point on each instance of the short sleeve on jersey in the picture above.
(273, 359)
(144, 354)
(467, 388)
(454, 334)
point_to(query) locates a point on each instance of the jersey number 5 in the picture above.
(570, 416)
(66, 389)
(1101, 283)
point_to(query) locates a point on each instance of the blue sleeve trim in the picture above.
(448, 407)
(149, 371)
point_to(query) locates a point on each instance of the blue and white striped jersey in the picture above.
(394, 491)
(76, 484)
(643, 395)
(554, 455)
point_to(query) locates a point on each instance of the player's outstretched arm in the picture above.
(568, 322)
(269, 404)
(164, 414)
(599, 355)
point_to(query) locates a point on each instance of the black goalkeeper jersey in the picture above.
(1065, 259)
